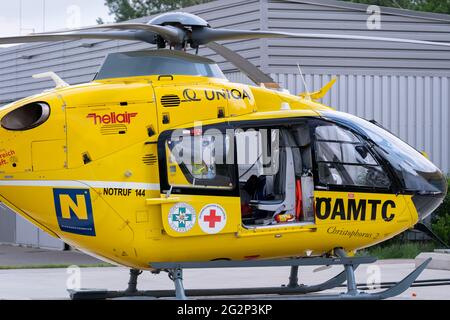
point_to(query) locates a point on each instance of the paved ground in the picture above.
(22, 256)
(53, 283)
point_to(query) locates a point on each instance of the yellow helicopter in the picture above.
(161, 163)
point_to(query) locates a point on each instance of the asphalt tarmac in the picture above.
(24, 256)
(53, 283)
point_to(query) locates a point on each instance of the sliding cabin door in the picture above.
(199, 189)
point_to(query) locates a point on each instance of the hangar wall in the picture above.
(7, 225)
(415, 108)
(404, 87)
(16, 230)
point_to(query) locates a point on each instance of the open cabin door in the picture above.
(199, 190)
(275, 177)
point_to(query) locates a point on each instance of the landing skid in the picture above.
(292, 291)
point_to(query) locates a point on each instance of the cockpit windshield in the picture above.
(161, 62)
(414, 170)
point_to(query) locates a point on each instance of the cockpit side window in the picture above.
(414, 171)
(134, 64)
(26, 117)
(343, 159)
(200, 160)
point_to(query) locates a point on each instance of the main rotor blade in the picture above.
(256, 75)
(171, 34)
(50, 37)
(205, 35)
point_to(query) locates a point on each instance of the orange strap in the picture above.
(298, 198)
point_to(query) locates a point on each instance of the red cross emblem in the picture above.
(212, 218)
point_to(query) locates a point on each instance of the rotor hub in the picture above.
(183, 21)
(179, 18)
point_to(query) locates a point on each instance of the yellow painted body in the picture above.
(107, 122)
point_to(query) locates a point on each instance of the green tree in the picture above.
(131, 9)
(437, 6)
(441, 221)
(123, 10)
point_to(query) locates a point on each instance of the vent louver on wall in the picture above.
(114, 129)
(171, 100)
(149, 159)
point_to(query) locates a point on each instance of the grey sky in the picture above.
(59, 14)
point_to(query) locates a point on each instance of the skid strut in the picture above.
(352, 289)
(132, 283)
(176, 275)
(293, 290)
(293, 278)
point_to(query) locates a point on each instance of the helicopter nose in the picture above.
(426, 202)
(415, 173)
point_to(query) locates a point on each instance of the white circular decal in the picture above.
(212, 219)
(182, 217)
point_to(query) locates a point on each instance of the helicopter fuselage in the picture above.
(96, 173)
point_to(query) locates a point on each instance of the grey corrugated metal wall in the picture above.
(403, 86)
(319, 56)
(15, 229)
(416, 108)
(27, 234)
(79, 64)
(7, 225)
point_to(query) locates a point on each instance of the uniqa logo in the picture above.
(112, 118)
(226, 94)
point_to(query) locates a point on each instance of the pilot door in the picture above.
(353, 185)
(199, 190)
(275, 176)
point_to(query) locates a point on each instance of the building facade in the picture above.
(405, 87)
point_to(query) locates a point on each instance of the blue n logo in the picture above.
(74, 211)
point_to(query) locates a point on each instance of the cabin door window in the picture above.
(200, 160)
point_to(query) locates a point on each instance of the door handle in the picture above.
(163, 200)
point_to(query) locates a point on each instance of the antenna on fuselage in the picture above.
(59, 83)
(308, 94)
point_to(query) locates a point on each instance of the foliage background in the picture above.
(123, 10)
(441, 220)
(437, 6)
